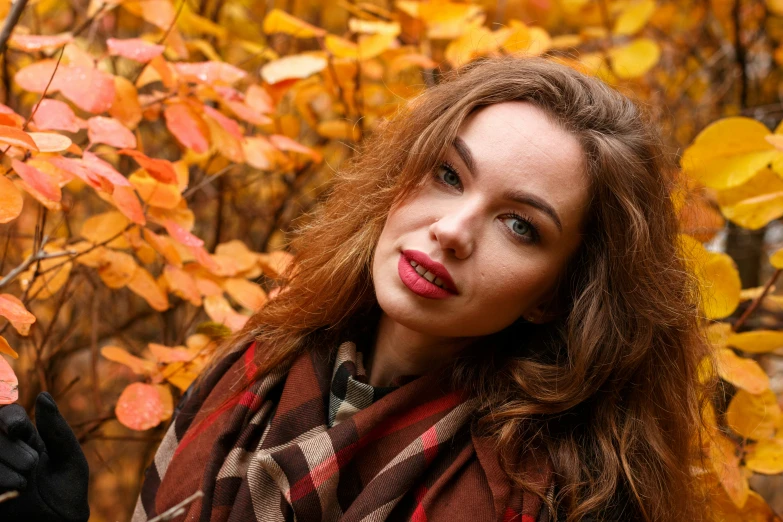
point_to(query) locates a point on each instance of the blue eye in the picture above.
(522, 227)
(448, 175)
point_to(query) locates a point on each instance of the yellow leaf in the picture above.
(246, 293)
(634, 17)
(6, 348)
(339, 130)
(357, 25)
(278, 21)
(757, 341)
(766, 456)
(219, 310)
(728, 152)
(103, 227)
(776, 259)
(757, 212)
(155, 193)
(775, 6)
(369, 46)
(526, 40)
(116, 269)
(742, 372)
(476, 41)
(719, 279)
(180, 374)
(292, 67)
(717, 334)
(239, 252)
(726, 464)
(634, 59)
(753, 416)
(182, 284)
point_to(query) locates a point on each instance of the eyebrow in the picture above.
(514, 195)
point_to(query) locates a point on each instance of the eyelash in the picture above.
(535, 236)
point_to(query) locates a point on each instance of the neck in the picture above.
(400, 351)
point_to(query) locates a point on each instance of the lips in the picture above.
(437, 269)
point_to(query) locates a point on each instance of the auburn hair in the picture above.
(609, 388)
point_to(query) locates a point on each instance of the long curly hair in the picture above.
(610, 387)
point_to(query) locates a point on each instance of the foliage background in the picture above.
(156, 153)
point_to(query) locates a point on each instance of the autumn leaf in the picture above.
(101, 129)
(753, 416)
(757, 341)
(741, 372)
(210, 72)
(292, 67)
(16, 137)
(126, 201)
(38, 180)
(165, 354)
(247, 294)
(56, 115)
(187, 126)
(182, 284)
(11, 201)
(35, 77)
(634, 59)
(634, 17)
(104, 169)
(6, 348)
(219, 310)
(145, 286)
(89, 89)
(278, 21)
(32, 43)
(160, 169)
(122, 356)
(134, 49)
(14, 310)
(141, 407)
(9, 385)
(766, 456)
(50, 141)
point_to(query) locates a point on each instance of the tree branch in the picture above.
(10, 22)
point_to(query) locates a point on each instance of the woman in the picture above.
(487, 320)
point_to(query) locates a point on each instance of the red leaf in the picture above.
(180, 234)
(30, 42)
(126, 202)
(35, 76)
(9, 384)
(56, 115)
(140, 406)
(160, 169)
(101, 129)
(231, 126)
(16, 137)
(38, 180)
(210, 72)
(104, 169)
(89, 89)
(187, 127)
(134, 49)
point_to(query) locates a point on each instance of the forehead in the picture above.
(515, 145)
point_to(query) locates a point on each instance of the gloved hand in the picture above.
(46, 466)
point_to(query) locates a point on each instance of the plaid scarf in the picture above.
(318, 443)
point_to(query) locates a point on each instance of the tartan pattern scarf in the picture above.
(316, 442)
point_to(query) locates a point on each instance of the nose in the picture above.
(453, 230)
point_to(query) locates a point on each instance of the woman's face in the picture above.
(492, 228)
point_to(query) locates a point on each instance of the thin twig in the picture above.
(10, 23)
(756, 302)
(38, 256)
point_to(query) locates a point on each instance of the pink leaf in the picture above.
(101, 129)
(140, 406)
(9, 384)
(134, 48)
(231, 126)
(104, 169)
(31, 42)
(13, 309)
(187, 127)
(38, 180)
(89, 89)
(210, 72)
(35, 76)
(56, 115)
(285, 143)
(180, 234)
(76, 168)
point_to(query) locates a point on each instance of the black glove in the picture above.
(46, 466)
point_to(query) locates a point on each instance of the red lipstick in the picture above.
(417, 283)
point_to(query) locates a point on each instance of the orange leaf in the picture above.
(246, 293)
(274, 264)
(155, 193)
(16, 137)
(56, 115)
(134, 49)
(164, 354)
(89, 89)
(285, 143)
(160, 169)
(116, 268)
(11, 201)
(259, 153)
(187, 126)
(163, 246)
(127, 202)
(101, 129)
(35, 76)
(239, 252)
(231, 126)
(38, 180)
(182, 284)
(140, 406)
(104, 169)
(766, 457)
(210, 72)
(144, 285)
(102, 227)
(126, 106)
(9, 384)
(257, 98)
(14, 310)
(30, 42)
(50, 141)
(76, 168)
(219, 310)
(6, 348)
(136, 364)
(726, 465)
